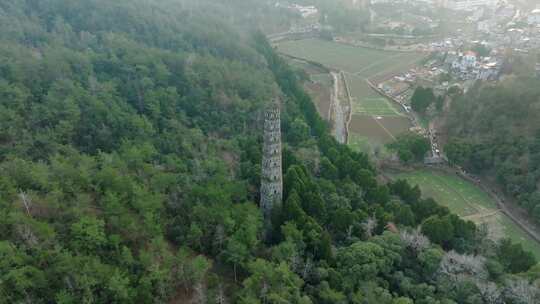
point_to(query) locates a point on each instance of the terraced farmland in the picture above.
(375, 120)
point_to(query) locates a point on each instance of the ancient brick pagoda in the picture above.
(271, 178)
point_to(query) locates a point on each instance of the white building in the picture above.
(534, 17)
(466, 65)
(304, 11)
(469, 60)
(486, 26)
(488, 71)
(467, 5)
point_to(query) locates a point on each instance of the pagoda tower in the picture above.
(271, 178)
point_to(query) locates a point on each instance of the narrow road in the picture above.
(340, 107)
(340, 127)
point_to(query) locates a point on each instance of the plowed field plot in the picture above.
(321, 93)
(320, 86)
(379, 130)
(321, 96)
(470, 202)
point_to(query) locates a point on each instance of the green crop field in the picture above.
(470, 202)
(374, 106)
(393, 63)
(364, 62)
(368, 102)
(343, 57)
(359, 143)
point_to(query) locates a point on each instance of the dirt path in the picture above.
(349, 104)
(480, 216)
(383, 127)
(340, 107)
(338, 117)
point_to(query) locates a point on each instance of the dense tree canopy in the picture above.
(410, 147)
(422, 98)
(130, 156)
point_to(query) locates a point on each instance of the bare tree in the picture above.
(264, 292)
(220, 295)
(200, 294)
(27, 201)
(219, 237)
(369, 225)
(522, 292)
(490, 292)
(350, 232)
(26, 235)
(414, 239)
(456, 266)
(307, 269)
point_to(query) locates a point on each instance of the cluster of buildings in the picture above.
(450, 69)
(304, 11)
(534, 17)
(470, 66)
(467, 5)
(464, 64)
(509, 27)
(449, 4)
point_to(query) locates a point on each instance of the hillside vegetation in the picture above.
(130, 151)
(495, 131)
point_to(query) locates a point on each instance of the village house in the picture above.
(470, 66)
(486, 26)
(304, 11)
(467, 5)
(469, 60)
(534, 17)
(488, 71)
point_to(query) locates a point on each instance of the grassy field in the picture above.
(470, 202)
(359, 143)
(360, 64)
(368, 102)
(355, 60)
(343, 57)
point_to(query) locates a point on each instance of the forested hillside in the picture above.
(495, 131)
(130, 151)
